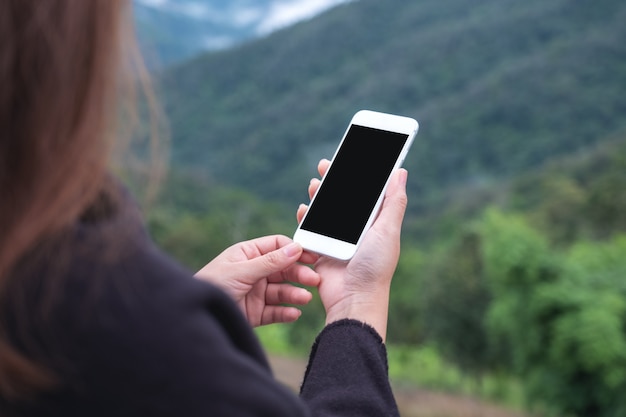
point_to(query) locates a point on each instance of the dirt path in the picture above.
(412, 402)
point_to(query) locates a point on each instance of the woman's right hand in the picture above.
(359, 289)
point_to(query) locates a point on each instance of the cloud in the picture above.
(284, 13)
(157, 4)
(247, 16)
(153, 3)
(260, 18)
(192, 9)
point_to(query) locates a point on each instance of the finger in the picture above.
(314, 184)
(297, 274)
(301, 212)
(394, 205)
(277, 294)
(279, 314)
(273, 261)
(309, 258)
(322, 166)
(264, 245)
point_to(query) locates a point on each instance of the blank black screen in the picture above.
(354, 182)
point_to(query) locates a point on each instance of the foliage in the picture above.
(274, 339)
(424, 366)
(504, 298)
(404, 325)
(499, 87)
(195, 220)
(499, 298)
(563, 319)
(513, 252)
(303, 332)
(454, 299)
(578, 196)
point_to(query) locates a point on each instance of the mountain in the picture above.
(173, 30)
(516, 214)
(499, 87)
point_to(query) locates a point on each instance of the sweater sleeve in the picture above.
(127, 332)
(149, 341)
(347, 374)
(187, 351)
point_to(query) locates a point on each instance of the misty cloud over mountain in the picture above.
(172, 30)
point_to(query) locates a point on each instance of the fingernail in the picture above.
(292, 249)
(306, 295)
(403, 176)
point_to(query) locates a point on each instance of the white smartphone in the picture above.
(350, 194)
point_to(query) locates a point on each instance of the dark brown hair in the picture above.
(59, 79)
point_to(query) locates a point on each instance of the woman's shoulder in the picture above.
(105, 278)
(126, 327)
(118, 284)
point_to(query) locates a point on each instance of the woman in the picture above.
(94, 319)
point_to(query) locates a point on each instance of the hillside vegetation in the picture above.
(513, 265)
(498, 87)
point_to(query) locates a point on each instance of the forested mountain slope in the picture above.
(499, 87)
(512, 259)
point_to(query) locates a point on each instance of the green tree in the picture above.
(455, 298)
(562, 318)
(405, 326)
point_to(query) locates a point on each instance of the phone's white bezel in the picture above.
(339, 249)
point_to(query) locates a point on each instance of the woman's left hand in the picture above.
(259, 275)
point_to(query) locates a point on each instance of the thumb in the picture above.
(395, 203)
(276, 260)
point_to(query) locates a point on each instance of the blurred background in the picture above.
(510, 295)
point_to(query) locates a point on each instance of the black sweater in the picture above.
(128, 332)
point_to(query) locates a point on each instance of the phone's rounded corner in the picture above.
(362, 112)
